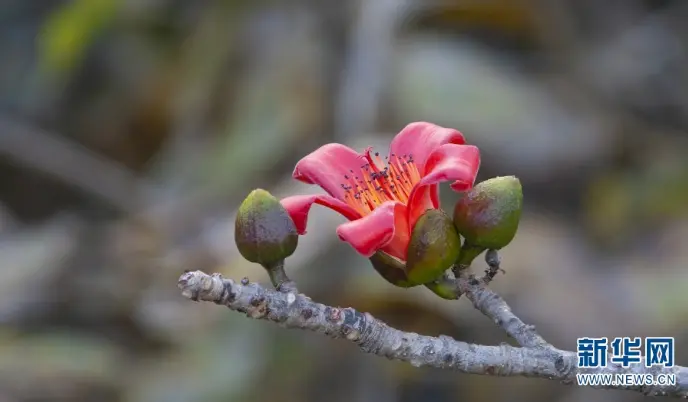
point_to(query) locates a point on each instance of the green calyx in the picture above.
(391, 269)
(435, 245)
(488, 215)
(264, 232)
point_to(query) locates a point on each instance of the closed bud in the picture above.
(264, 232)
(488, 215)
(391, 269)
(434, 247)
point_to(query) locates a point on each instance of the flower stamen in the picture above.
(378, 182)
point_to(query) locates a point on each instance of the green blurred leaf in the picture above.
(69, 31)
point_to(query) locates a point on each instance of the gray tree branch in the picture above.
(536, 357)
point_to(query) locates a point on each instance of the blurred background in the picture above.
(131, 130)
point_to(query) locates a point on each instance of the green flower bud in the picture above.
(391, 268)
(264, 232)
(488, 215)
(434, 247)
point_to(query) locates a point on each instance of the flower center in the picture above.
(372, 185)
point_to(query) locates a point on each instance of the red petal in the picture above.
(420, 139)
(449, 162)
(383, 229)
(298, 207)
(327, 166)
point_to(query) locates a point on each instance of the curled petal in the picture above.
(420, 139)
(383, 229)
(327, 166)
(299, 206)
(450, 162)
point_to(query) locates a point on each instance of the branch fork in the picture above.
(534, 358)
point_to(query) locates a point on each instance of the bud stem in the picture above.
(444, 287)
(279, 278)
(468, 253)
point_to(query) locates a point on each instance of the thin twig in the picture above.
(494, 307)
(373, 336)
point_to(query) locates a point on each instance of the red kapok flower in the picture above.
(383, 199)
